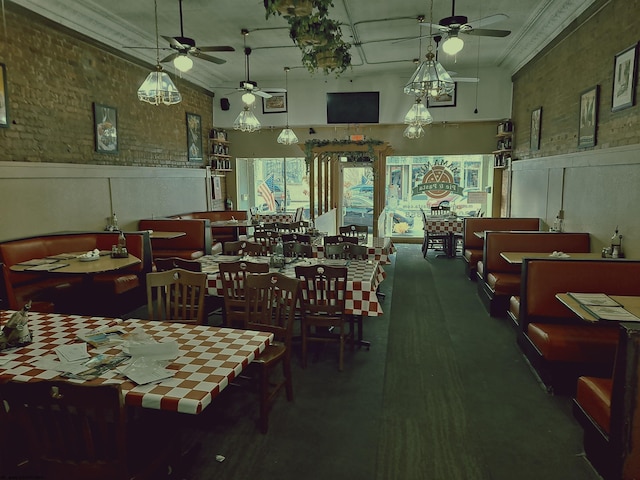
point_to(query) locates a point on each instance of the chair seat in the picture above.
(271, 353)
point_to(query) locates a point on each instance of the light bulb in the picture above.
(452, 45)
(183, 63)
(248, 98)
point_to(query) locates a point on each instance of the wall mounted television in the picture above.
(353, 107)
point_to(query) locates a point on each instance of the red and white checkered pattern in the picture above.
(444, 226)
(209, 358)
(363, 278)
(274, 217)
(379, 249)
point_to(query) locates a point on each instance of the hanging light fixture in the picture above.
(418, 114)
(183, 63)
(246, 121)
(414, 131)
(158, 87)
(453, 45)
(430, 78)
(287, 136)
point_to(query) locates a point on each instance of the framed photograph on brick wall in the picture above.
(4, 100)
(105, 121)
(536, 123)
(588, 121)
(194, 137)
(624, 79)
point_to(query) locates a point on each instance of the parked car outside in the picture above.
(359, 211)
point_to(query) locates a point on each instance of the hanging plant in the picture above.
(333, 57)
(314, 30)
(296, 8)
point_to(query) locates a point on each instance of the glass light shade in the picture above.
(418, 114)
(248, 98)
(183, 63)
(414, 131)
(287, 137)
(452, 45)
(246, 121)
(430, 78)
(159, 88)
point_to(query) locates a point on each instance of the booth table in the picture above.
(209, 357)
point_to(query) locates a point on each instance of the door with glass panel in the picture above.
(356, 185)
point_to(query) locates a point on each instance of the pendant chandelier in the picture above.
(414, 131)
(418, 114)
(158, 88)
(246, 121)
(287, 136)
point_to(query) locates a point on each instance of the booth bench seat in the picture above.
(498, 280)
(560, 346)
(44, 289)
(195, 242)
(472, 244)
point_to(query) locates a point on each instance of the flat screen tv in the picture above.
(353, 107)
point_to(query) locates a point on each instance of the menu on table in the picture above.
(603, 307)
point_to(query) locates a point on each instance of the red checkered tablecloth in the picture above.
(379, 249)
(363, 278)
(443, 226)
(274, 217)
(209, 358)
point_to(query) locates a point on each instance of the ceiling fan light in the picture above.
(246, 121)
(183, 63)
(453, 45)
(159, 88)
(248, 98)
(287, 137)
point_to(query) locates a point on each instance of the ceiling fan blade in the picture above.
(466, 79)
(275, 90)
(222, 48)
(169, 57)
(484, 21)
(208, 58)
(262, 94)
(485, 32)
(175, 43)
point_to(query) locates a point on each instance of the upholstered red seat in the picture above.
(593, 394)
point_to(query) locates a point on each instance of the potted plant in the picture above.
(296, 8)
(314, 30)
(334, 57)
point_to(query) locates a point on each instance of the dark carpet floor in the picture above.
(443, 394)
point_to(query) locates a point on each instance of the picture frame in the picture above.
(4, 98)
(536, 124)
(588, 119)
(194, 137)
(105, 126)
(277, 103)
(624, 78)
(445, 100)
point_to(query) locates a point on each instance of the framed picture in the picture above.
(624, 79)
(276, 104)
(588, 120)
(445, 100)
(194, 137)
(536, 123)
(4, 100)
(105, 121)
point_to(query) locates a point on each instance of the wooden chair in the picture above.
(267, 238)
(356, 252)
(295, 249)
(333, 239)
(243, 247)
(176, 295)
(323, 290)
(297, 216)
(233, 276)
(336, 250)
(266, 226)
(271, 307)
(296, 237)
(359, 231)
(432, 241)
(81, 431)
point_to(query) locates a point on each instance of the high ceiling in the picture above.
(383, 33)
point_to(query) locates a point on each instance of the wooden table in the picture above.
(208, 358)
(517, 257)
(235, 224)
(447, 225)
(630, 303)
(73, 265)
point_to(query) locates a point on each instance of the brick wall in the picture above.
(53, 79)
(557, 77)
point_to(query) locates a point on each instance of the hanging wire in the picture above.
(478, 65)
(4, 22)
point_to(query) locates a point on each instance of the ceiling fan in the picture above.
(456, 24)
(248, 86)
(186, 47)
